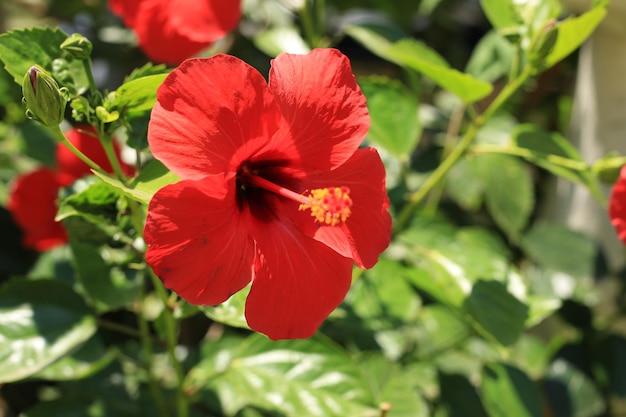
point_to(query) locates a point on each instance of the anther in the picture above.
(329, 206)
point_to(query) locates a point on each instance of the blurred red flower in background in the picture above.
(170, 31)
(617, 205)
(33, 196)
(274, 190)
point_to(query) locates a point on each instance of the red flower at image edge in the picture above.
(170, 31)
(617, 205)
(33, 196)
(274, 190)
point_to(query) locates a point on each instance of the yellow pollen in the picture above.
(330, 206)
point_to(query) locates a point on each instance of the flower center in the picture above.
(329, 206)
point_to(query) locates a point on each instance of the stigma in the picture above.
(329, 206)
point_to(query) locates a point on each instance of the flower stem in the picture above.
(89, 74)
(146, 353)
(182, 402)
(61, 137)
(440, 172)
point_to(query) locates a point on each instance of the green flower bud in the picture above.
(608, 168)
(77, 46)
(44, 100)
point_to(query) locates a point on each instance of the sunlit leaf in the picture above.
(21, 49)
(152, 177)
(393, 112)
(86, 361)
(40, 322)
(495, 312)
(419, 57)
(507, 391)
(296, 377)
(138, 95)
(573, 32)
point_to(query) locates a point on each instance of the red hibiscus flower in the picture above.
(274, 188)
(33, 196)
(170, 31)
(617, 206)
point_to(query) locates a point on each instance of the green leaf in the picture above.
(377, 297)
(107, 288)
(138, 95)
(501, 13)
(391, 384)
(152, 178)
(464, 187)
(21, 49)
(277, 39)
(295, 377)
(558, 248)
(508, 191)
(491, 59)
(572, 32)
(394, 115)
(495, 312)
(231, 311)
(459, 396)
(40, 322)
(570, 392)
(376, 38)
(439, 328)
(89, 359)
(413, 54)
(506, 391)
(39, 143)
(544, 146)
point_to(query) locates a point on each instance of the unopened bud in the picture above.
(608, 168)
(77, 46)
(44, 99)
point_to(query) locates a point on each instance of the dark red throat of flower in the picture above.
(329, 206)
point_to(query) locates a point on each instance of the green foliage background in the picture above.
(478, 308)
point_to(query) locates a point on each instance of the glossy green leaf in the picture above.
(21, 49)
(295, 377)
(86, 361)
(376, 38)
(459, 396)
(40, 322)
(393, 112)
(508, 186)
(107, 288)
(231, 311)
(507, 391)
(439, 328)
(491, 59)
(570, 392)
(413, 54)
(138, 95)
(152, 177)
(495, 312)
(395, 386)
(275, 40)
(501, 13)
(558, 248)
(573, 32)
(544, 147)
(464, 187)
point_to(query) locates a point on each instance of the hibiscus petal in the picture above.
(321, 101)
(196, 241)
(204, 20)
(32, 203)
(617, 206)
(298, 281)
(126, 9)
(211, 115)
(366, 233)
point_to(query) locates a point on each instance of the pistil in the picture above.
(329, 206)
